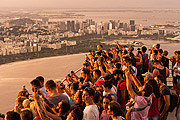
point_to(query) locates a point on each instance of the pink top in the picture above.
(104, 116)
(140, 102)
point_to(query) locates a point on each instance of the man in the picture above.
(164, 101)
(12, 116)
(35, 85)
(100, 48)
(91, 111)
(126, 63)
(159, 69)
(121, 88)
(97, 75)
(145, 59)
(55, 97)
(42, 89)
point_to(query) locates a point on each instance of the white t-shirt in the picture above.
(91, 112)
(43, 89)
(177, 67)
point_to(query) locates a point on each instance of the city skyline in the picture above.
(91, 4)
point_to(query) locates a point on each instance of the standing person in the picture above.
(145, 59)
(42, 89)
(165, 59)
(142, 103)
(115, 111)
(106, 102)
(159, 69)
(91, 111)
(164, 101)
(153, 113)
(55, 97)
(176, 76)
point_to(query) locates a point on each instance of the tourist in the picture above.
(91, 111)
(164, 100)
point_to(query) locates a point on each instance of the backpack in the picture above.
(145, 63)
(173, 101)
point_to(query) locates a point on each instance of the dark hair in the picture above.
(12, 116)
(86, 71)
(50, 84)
(165, 53)
(97, 72)
(118, 65)
(110, 55)
(90, 91)
(26, 115)
(36, 83)
(108, 97)
(156, 62)
(160, 51)
(144, 49)
(75, 86)
(97, 96)
(119, 72)
(65, 107)
(77, 114)
(40, 78)
(158, 46)
(155, 52)
(125, 52)
(116, 108)
(108, 84)
(148, 90)
(155, 87)
(100, 45)
(161, 78)
(127, 59)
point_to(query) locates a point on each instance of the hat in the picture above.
(99, 82)
(148, 75)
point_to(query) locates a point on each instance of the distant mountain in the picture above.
(22, 21)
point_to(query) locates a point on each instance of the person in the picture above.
(164, 100)
(107, 85)
(165, 59)
(115, 111)
(141, 103)
(153, 113)
(176, 74)
(121, 89)
(159, 69)
(26, 115)
(104, 115)
(76, 114)
(42, 89)
(12, 116)
(55, 97)
(91, 111)
(145, 59)
(97, 75)
(35, 85)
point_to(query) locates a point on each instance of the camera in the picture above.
(2, 115)
(131, 69)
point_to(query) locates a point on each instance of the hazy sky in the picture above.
(91, 3)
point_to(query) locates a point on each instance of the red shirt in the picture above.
(153, 111)
(122, 87)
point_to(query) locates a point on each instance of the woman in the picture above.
(106, 102)
(115, 111)
(153, 113)
(176, 76)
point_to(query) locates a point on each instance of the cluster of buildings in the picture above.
(32, 35)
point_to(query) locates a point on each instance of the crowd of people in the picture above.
(115, 84)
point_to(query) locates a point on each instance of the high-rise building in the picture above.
(120, 25)
(132, 22)
(125, 27)
(132, 28)
(72, 26)
(69, 25)
(113, 24)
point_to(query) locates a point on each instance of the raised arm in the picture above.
(137, 82)
(40, 107)
(129, 85)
